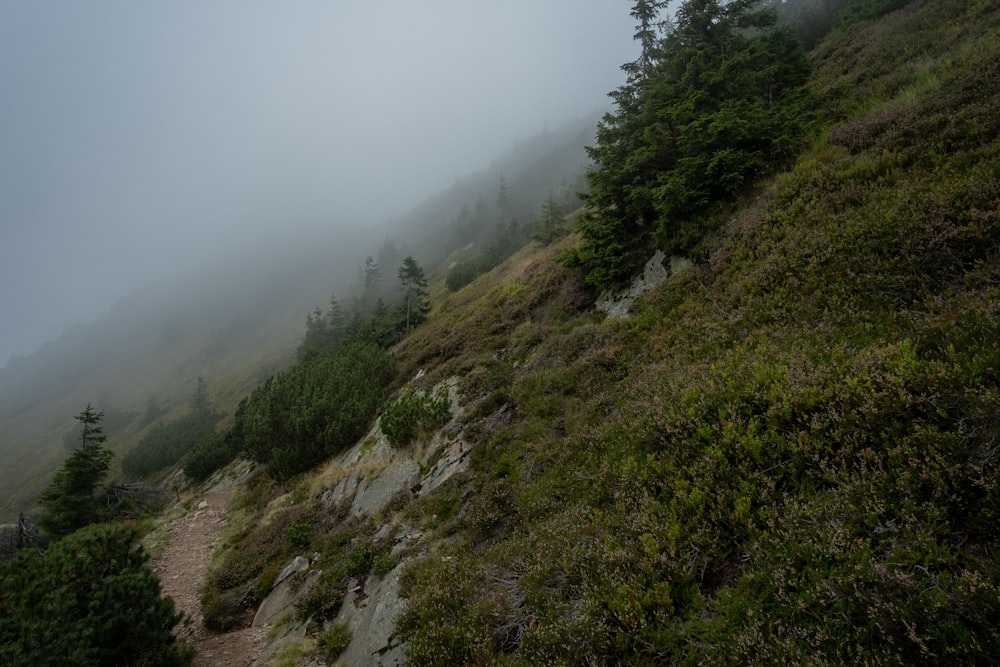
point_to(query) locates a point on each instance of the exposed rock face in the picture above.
(618, 303)
(369, 476)
(371, 612)
(401, 475)
(448, 456)
(284, 594)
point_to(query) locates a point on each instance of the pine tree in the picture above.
(411, 277)
(714, 106)
(88, 600)
(549, 223)
(503, 200)
(69, 502)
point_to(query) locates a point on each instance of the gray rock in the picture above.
(453, 459)
(283, 596)
(344, 489)
(617, 303)
(454, 427)
(297, 565)
(401, 475)
(372, 620)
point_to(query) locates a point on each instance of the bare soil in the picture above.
(182, 566)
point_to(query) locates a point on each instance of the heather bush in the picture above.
(335, 640)
(348, 553)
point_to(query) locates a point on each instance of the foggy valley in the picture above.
(577, 332)
(183, 184)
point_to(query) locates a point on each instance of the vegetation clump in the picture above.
(315, 409)
(787, 453)
(414, 411)
(88, 600)
(165, 444)
(70, 501)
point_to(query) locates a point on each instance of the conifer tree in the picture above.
(88, 600)
(336, 320)
(548, 224)
(411, 277)
(647, 33)
(371, 285)
(69, 502)
(503, 200)
(714, 106)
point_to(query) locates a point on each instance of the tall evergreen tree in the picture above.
(720, 107)
(504, 201)
(371, 285)
(411, 277)
(549, 223)
(69, 502)
(336, 321)
(647, 33)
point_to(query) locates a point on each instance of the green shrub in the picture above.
(165, 444)
(413, 411)
(313, 410)
(89, 600)
(460, 275)
(322, 601)
(335, 640)
(299, 535)
(208, 455)
(228, 610)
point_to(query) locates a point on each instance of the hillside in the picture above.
(236, 322)
(786, 453)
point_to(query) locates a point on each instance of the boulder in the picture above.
(285, 593)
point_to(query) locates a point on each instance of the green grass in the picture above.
(787, 453)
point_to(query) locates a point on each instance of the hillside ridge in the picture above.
(784, 452)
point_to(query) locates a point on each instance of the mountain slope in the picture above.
(789, 452)
(239, 321)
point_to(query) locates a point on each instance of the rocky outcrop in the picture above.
(368, 477)
(618, 303)
(285, 592)
(370, 611)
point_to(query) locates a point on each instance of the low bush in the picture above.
(335, 640)
(414, 411)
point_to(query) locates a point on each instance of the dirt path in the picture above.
(182, 565)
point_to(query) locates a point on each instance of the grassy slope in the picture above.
(789, 453)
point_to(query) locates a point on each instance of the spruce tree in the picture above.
(411, 277)
(69, 502)
(503, 200)
(549, 223)
(717, 106)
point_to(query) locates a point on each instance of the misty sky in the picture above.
(141, 138)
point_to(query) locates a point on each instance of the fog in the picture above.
(144, 140)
